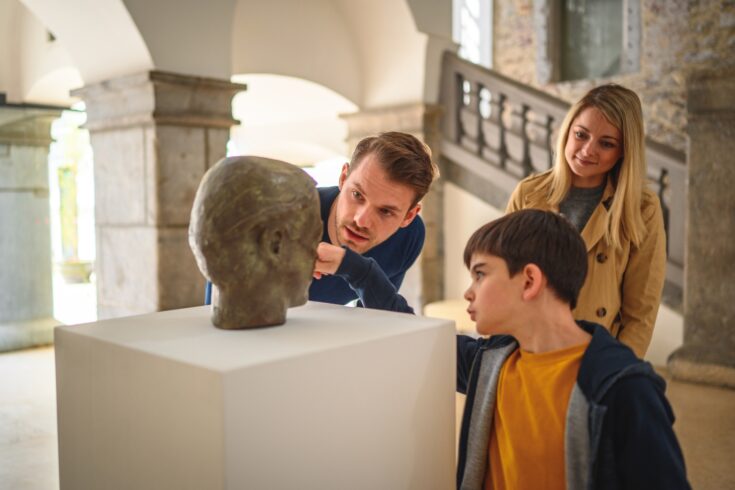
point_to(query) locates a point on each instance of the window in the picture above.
(472, 27)
(592, 38)
(581, 39)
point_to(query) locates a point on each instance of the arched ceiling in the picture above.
(99, 35)
(308, 40)
(370, 52)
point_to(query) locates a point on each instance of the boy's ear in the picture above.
(533, 281)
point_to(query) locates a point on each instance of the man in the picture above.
(372, 233)
(255, 221)
(552, 403)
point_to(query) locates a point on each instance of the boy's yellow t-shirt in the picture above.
(527, 439)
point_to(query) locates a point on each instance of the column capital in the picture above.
(408, 118)
(26, 126)
(157, 97)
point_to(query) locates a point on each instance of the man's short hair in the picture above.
(406, 160)
(533, 236)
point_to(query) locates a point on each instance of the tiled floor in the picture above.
(29, 456)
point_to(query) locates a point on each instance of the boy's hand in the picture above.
(328, 259)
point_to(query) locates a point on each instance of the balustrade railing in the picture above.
(494, 122)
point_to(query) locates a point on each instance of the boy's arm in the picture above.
(646, 449)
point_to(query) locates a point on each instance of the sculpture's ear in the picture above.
(271, 243)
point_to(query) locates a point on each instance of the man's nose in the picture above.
(468, 295)
(362, 217)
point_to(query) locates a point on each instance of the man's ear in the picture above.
(533, 281)
(410, 215)
(343, 174)
(271, 242)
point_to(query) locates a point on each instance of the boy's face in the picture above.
(494, 296)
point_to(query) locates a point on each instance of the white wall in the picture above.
(32, 69)
(289, 119)
(191, 37)
(9, 53)
(463, 214)
(392, 52)
(308, 40)
(46, 70)
(99, 35)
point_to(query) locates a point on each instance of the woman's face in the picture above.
(592, 149)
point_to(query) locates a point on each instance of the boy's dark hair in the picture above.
(406, 160)
(533, 236)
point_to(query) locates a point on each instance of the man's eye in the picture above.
(356, 195)
(386, 212)
(479, 275)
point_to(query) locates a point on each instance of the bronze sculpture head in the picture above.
(255, 225)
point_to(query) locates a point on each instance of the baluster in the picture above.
(539, 135)
(458, 106)
(663, 182)
(470, 116)
(516, 140)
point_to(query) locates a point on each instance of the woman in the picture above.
(598, 182)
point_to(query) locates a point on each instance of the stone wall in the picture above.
(678, 37)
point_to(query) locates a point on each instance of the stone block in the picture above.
(337, 398)
(127, 270)
(217, 139)
(120, 176)
(180, 283)
(25, 248)
(24, 167)
(181, 163)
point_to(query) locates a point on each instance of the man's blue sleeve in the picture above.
(369, 282)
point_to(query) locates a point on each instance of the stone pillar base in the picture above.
(702, 365)
(32, 333)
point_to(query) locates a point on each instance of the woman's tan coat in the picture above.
(623, 288)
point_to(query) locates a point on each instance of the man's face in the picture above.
(371, 207)
(493, 295)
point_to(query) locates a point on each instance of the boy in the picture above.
(552, 403)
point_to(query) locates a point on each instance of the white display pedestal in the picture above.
(337, 398)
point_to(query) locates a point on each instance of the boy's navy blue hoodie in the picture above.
(618, 431)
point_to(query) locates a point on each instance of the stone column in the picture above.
(153, 135)
(708, 353)
(425, 283)
(26, 299)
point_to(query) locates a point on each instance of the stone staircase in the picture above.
(496, 131)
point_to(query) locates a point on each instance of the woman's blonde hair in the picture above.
(622, 108)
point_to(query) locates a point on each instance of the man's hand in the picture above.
(328, 259)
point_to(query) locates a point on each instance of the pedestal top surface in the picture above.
(187, 335)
